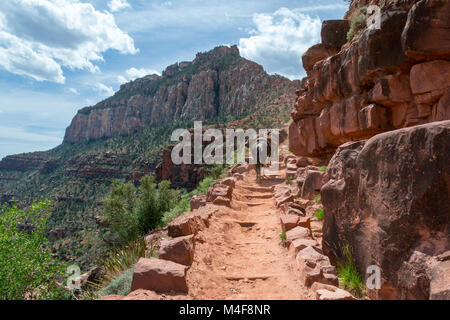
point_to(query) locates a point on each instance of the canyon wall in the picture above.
(218, 83)
(388, 78)
(379, 100)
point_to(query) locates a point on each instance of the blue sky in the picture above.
(57, 56)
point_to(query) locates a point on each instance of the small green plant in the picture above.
(319, 214)
(357, 24)
(318, 198)
(289, 179)
(217, 172)
(120, 285)
(204, 185)
(349, 276)
(283, 238)
(122, 258)
(183, 206)
(323, 168)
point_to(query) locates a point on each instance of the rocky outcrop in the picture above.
(23, 162)
(216, 83)
(388, 78)
(388, 199)
(160, 276)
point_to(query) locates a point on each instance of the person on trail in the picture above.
(262, 148)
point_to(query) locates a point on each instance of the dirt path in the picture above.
(239, 256)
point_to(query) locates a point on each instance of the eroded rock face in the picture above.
(388, 78)
(388, 198)
(159, 276)
(218, 82)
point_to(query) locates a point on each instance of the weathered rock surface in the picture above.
(297, 233)
(216, 82)
(329, 292)
(159, 276)
(388, 78)
(179, 250)
(191, 222)
(315, 267)
(197, 202)
(388, 198)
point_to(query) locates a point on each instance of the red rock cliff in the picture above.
(384, 79)
(216, 83)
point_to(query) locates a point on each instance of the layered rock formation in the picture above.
(388, 199)
(218, 83)
(388, 78)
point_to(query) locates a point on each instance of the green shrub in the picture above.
(118, 209)
(319, 214)
(122, 258)
(323, 168)
(217, 172)
(133, 212)
(283, 238)
(318, 198)
(120, 285)
(349, 276)
(357, 24)
(152, 202)
(204, 185)
(184, 205)
(27, 267)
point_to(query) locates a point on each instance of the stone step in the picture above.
(257, 189)
(249, 277)
(259, 196)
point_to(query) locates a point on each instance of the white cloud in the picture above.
(280, 39)
(21, 134)
(39, 37)
(116, 5)
(133, 74)
(74, 91)
(104, 90)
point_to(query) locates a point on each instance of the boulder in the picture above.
(329, 292)
(299, 244)
(197, 202)
(238, 176)
(388, 199)
(240, 168)
(179, 250)
(159, 276)
(219, 190)
(334, 33)
(231, 182)
(191, 222)
(222, 201)
(430, 76)
(440, 281)
(315, 267)
(297, 233)
(313, 183)
(288, 221)
(425, 35)
(314, 54)
(284, 199)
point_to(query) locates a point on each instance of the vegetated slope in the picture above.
(123, 137)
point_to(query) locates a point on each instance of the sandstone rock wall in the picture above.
(388, 199)
(389, 78)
